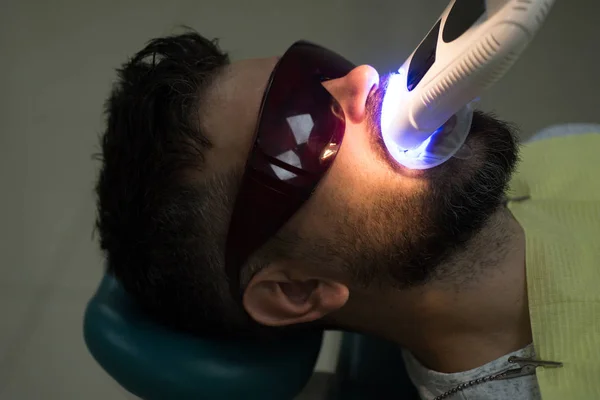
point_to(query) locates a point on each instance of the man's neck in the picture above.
(467, 321)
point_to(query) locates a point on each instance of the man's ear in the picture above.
(278, 296)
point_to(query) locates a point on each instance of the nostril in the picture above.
(373, 89)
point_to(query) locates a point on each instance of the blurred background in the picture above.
(57, 66)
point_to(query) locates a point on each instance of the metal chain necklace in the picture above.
(526, 367)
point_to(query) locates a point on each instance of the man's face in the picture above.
(374, 219)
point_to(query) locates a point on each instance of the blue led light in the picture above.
(392, 100)
(418, 158)
(430, 153)
(395, 95)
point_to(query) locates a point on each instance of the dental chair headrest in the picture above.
(154, 362)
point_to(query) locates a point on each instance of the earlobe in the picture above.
(275, 299)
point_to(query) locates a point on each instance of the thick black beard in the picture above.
(462, 196)
(374, 248)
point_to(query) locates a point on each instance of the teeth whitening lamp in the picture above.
(426, 112)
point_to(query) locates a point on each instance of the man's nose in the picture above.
(352, 91)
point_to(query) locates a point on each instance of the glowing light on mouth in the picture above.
(392, 100)
(395, 95)
(417, 158)
(430, 153)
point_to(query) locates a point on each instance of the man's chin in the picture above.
(487, 162)
(492, 140)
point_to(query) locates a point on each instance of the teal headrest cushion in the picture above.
(154, 362)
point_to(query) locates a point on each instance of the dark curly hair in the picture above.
(163, 231)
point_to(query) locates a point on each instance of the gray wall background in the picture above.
(57, 63)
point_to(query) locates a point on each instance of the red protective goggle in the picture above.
(296, 140)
